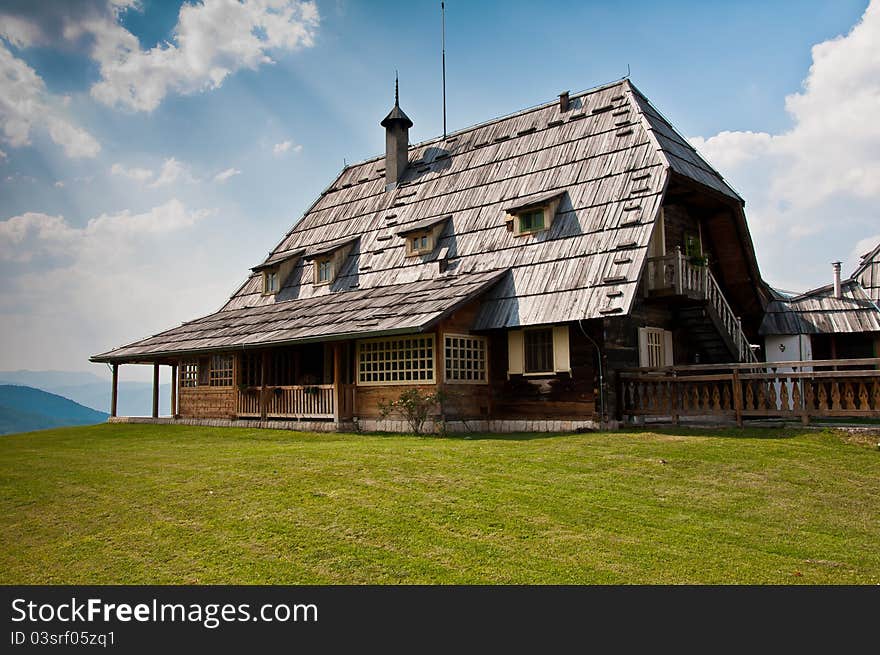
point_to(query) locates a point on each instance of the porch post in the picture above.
(114, 394)
(264, 364)
(155, 390)
(174, 390)
(337, 381)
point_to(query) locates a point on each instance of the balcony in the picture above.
(674, 275)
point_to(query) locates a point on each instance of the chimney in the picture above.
(396, 125)
(836, 267)
(563, 101)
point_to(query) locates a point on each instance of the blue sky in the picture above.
(137, 187)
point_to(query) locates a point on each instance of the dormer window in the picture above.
(531, 221)
(420, 244)
(324, 271)
(532, 214)
(422, 236)
(328, 260)
(270, 282)
(275, 270)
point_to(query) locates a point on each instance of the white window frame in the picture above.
(380, 357)
(473, 344)
(655, 344)
(270, 282)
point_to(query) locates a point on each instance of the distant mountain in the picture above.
(23, 409)
(86, 388)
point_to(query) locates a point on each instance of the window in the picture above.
(465, 358)
(270, 282)
(538, 351)
(531, 221)
(221, 371)
(396, 361)
(655, 347)
(323, 271)
(189, 374)
(420, 244)
(538, 348)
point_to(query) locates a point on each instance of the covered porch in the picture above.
(304, 382)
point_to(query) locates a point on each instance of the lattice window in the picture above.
(189, 374)
(465, 358)
(538, 346)
(221, 371)
(404, 360)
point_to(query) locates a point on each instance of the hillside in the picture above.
(86, 388)
(23, 409)
(173, 504)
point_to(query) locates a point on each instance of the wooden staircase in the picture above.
(706, 315)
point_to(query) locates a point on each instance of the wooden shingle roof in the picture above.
(819, 312)
(608, 158)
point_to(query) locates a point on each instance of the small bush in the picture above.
(414, 405)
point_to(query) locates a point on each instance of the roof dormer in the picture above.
(532, 214)
(422, 236)
(328, 260)
(276, 270)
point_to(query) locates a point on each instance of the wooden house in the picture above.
(836, 321)
(514, 265)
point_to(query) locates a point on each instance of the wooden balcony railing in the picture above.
(803, 389)
(299, 402)
(675, 275)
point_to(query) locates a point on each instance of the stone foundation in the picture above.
(374, 425)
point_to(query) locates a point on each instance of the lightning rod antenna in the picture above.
(443, 57)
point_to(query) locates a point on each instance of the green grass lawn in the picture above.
(176, 504)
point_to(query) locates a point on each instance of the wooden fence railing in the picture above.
(802, 389)
(312, 401)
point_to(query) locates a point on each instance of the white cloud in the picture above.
(40, 237)
(2, 155)
(59, 184)
(211, 40)
(137, 174)
(70, 291)
(173, 171)
(222, 176)
(285, 146)
(862, 247)
(813, 191)
(26, 105)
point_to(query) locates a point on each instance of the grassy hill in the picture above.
(25, 409)
(138, 504)
(86, 388)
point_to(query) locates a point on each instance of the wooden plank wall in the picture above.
(207, 402)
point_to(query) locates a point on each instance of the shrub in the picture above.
(414, 405)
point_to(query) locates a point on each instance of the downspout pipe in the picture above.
(601, 377)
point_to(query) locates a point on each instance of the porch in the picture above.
(799, 390)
